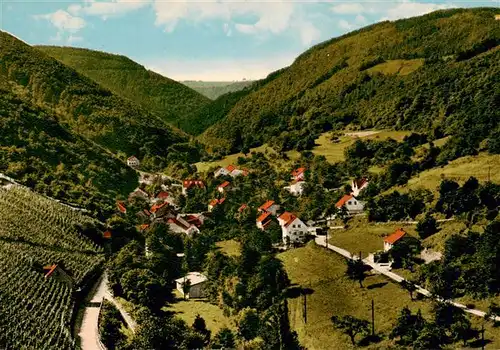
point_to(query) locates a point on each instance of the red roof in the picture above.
(121, 207)
(396, 236)
(360, 182)
(193, 183)
(51, 271)
(178, 223)
(155, 207)
(214, 202)
(224, 184)
(143, 227)
(243, 207)
(298, 171)
(230, 168)
(107, 234)
(162, 195)
(263, 216)
(287, 217)
(132, 158)
(343, 200)
(194, 220)
(266, 205)
(222, 200)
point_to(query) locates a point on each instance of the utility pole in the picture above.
(373, 318)
(489, 172)
(305, 305)
(482, 336)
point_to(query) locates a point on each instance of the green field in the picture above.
(229, 247)
(333, 294)
(399, 67)
(212, 314)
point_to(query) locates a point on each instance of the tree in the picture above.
(110, 323)
(409, 286)
(462, 330)
(403, 254)
(200, 326)
(430, 337)
(351, 326)
(356, 270)
(427, 226)
(493, 311)
(224, 339)
(143, 287)
(186, 287)
(248, 324)
(408, 326)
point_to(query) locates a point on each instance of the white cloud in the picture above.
(63, 21)
(343, 24)
(308, 32)
(410, 9)
(72, 39)
(348, 8)
(110, 8)
(220, 70)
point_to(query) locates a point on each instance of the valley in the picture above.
(139, 212)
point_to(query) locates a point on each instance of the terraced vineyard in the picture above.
(35, 311)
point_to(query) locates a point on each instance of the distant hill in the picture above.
(214, 89)
(173, 102)
(84, 106)
(438, 74)
(40, 153)
(37, 303)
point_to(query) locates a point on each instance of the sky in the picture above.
(209, 40)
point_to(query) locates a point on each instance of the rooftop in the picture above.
(193, 277)
(396, 236)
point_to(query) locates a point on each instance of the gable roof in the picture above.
(132, 158)
(396, 236)
(224, 184)
(193, 183)
(106, 234)
(288, 218)
(51, 269)
(242, 207)
(360, 182)
(216, 201)
(193, 277)
(343, 200)
(266, 205)
(162, 195)
(194, 220)
(121, 207)
(156, 207)
(298, 171)
(263, 216)
(144, 227)
(230, 168)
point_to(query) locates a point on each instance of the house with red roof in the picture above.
(194, 219)
(269, 206)
(351, 203)
(215, 202)
(243, 207)
(394, 238)
(264, 220)
(299, 174)
(191, 184)
(162, 195)
(223, 187)
(359, 185)
(230, 170)
(292, 228)
(159, 209)
(121, 207)
(178, 224)
(55, 271)
(107, 234)
(133, 162)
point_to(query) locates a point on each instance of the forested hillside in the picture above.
(87, 108)
(214, 89)
(173, 102)
(38, 152)
(438, 74)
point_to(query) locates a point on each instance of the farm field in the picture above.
(229, 247)
(36, 232)
(333, 152)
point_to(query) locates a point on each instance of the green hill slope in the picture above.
(171, 101)
(438, 73)
(214, 89)
(35, 232)
(87, 108)
(38, 152)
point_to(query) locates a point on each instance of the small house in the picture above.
(107, 234)
(133, 162)
(393, 239)
(139, 193)
(179, 225)
(191, 184)
(353, 205)
(297, 188)
(215, 202)
(269, 206)
(230, 170)
(223, 187)
(55, 271)
(299, 174)
(264, 220)
(160, 209)
(194, 219)
(292, 228)
(358, 185)
(195, 283)
(243, 207)
(162, 196)
(121, 207)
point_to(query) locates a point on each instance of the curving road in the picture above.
(89, 333)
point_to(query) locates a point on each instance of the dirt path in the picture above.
(361, 133)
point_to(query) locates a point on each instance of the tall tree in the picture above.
(350, 326)
(356, 270)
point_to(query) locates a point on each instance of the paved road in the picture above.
(89, 334)
(321, 240)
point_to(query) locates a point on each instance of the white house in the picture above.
(358, 185)
(138, 192)
(224, 186)
(264, 220)
(215, 202)
(196, 282)
(292, 227)
(269, 206)
(299, 174)
(230, 170)
(393, 239)
(180, 225)
(353, 205)
(133, 162)
(296, 189)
